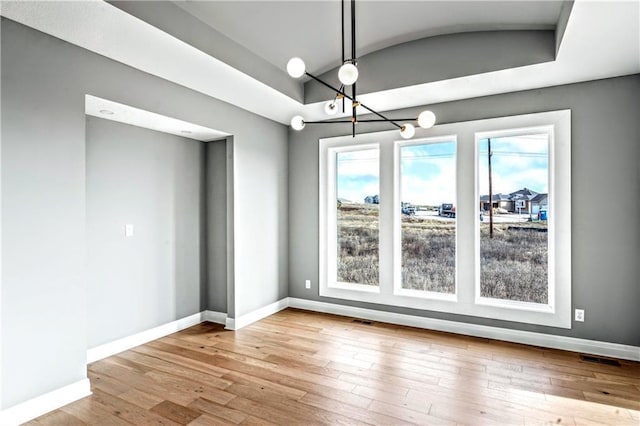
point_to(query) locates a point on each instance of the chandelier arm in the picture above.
(339, 91)
(392, 121)
(380, 120)
(335, 98)
(366, 120)
(352, 100)
(327, 121)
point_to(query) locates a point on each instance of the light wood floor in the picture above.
(299, 367)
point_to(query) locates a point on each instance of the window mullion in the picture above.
(387, 217)
(467, 218)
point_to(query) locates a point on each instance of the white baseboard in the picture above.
(257, 315)
(613, 350)
(216, 317)
(42, 404)
(120, 345)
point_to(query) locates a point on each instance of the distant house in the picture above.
(524, 200)
(521, 200)
(539, 202)
(498, 201)
(372, 199)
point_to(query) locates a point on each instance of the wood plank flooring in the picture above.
(299, 367)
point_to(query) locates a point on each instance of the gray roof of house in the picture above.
(524, 193)
(496, 197)
(539, 197)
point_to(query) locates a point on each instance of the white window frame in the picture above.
(466, 301)
(332, 223)
(397, 224)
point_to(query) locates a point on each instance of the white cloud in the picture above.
(428, 192)
(535, 178)
(433, 190)
(359, 163)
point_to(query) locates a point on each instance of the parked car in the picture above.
(447, 210)
(408, 209)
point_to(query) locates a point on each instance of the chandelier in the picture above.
(348, 75)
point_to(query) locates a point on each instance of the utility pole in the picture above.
(489, 154)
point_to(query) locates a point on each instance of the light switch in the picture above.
(128, 230)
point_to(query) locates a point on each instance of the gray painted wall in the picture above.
(156, 182)
(605, 173)
(440, 58)
(171, 18)
(44, 279)
(216, 199)
(43, 241)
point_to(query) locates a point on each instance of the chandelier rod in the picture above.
(353, 100)
(353, 30)
(353, 61)
(342, 22)
(366, 120)
(342, 46)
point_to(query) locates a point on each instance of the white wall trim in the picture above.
(614, 350)
(43, 404)
(106, 350)
(216, 317)
(257, 315)
(120, 345)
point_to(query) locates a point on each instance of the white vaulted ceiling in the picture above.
(602, 39)
(276, 30)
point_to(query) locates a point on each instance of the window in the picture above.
(357, 224)
(428, 233)
(417, 224)
(514, 245)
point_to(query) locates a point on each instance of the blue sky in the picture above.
(517, 162)
(358, 174)
(428, 170)
(428, 173)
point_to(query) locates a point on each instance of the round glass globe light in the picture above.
(297, 123)
(426, 119)
(408, 130)
(348, 74)
(296, 67)
(331, 108)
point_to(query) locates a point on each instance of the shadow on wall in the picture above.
(155, 184)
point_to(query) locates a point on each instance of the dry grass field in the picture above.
(513, 263)
(358, 244)
(428, 255)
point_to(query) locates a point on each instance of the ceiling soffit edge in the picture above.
(443, 57)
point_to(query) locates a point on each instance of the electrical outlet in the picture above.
(128, 230)
(580, 315)
(307, 284)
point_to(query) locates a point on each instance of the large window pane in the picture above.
(358, 189)
(514, 194)
(428, 191)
